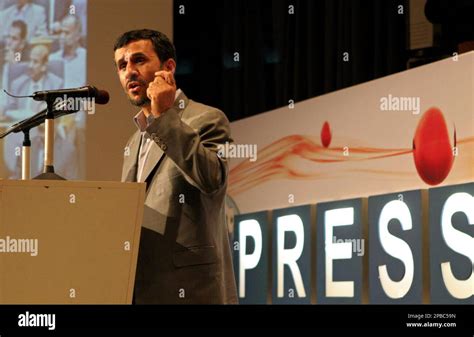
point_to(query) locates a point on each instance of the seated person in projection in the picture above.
(13, 52)
(36, 78)
(71, 52)
(32, 14)
(74, 57)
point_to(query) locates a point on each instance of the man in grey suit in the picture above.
(184, 254)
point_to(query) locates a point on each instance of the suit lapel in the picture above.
(129, 172)
(156, 154)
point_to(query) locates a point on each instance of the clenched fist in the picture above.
(161, 92)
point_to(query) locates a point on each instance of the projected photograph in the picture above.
(42, 47)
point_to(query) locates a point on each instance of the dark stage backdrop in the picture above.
(322, 47)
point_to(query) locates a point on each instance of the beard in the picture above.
(141, 101)
(143, 98)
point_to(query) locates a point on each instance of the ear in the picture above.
(170, 65)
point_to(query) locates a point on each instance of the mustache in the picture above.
(136, 79)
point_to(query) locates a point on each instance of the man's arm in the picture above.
(193, 148)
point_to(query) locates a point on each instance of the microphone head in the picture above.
(102, 97)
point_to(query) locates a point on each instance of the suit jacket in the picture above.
(184, 254)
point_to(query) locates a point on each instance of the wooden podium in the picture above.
(69, 242)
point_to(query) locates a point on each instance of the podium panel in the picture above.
(69, 242)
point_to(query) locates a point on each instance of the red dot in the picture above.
(326, 134)
(432, 149)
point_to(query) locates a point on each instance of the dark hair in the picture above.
(21, 25)
(164, 48)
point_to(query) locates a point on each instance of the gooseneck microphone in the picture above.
(100, 96)
(59, 109)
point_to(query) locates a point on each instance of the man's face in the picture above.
(136, 65)
(70, 34)
(37, 65)
(13, 41)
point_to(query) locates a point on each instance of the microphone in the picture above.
(59, 110)
(100, 96)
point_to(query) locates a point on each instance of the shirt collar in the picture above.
(142, 122)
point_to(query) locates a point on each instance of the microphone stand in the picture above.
(25, 156)
(25, 126)
(48, 169)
